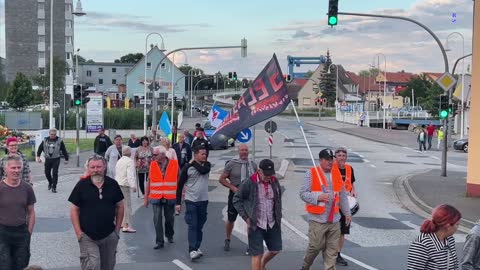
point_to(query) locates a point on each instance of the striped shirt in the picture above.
(427, 252)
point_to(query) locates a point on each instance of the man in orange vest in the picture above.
(348, 178)
(324, 193)
(161, 193)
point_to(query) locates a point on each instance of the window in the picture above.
(41, 55)
(68, 7)
(41, 39)
(68, 56)
(41, 71)
(149, 65)
(163, 66)
(114, 70)
(68, 24)
(68, 40)
(41, 23)
(100, 70)
(114, 81)
(89, 73)
(100, 81)
(41, 6)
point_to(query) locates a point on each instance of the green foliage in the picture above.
(372, 72)
(420, 84)
(43, 81)
(3, 84)
(426, 93)
(20, 94)
(327, 82)
(131, 58)
(236, 97)
(80, 59)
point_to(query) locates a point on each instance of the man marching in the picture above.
(348, 177)
(324, 194)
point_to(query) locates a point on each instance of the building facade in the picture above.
(103, 77)
(27, 36)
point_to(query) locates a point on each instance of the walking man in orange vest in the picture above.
(324, 193)
(348, 178)
(161, 193)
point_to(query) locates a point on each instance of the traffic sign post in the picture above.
(270, 143)
(270, 127)
(244, 135)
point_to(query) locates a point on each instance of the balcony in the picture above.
(68, 47)
(68, 15)
(68, 32)
(41, 46)
(41, 14)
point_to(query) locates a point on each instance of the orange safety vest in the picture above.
(316, 186)
(348, 175)
(163, 187)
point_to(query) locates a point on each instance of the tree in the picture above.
(80, 59)
(327, 81)
(198, 73)
(420, 85)
(20, 93)
(3, 84)
(372, 72)
(59, 72)
(131, 58)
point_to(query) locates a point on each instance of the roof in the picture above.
(107, 64)
(396, 77)
(152, 50)
(432, 76)
(365, 83)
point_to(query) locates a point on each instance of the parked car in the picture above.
(461, 144)
(209, 130)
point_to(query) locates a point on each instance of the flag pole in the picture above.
(306, 142)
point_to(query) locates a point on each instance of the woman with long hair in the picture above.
(143, 156)
(434, 248)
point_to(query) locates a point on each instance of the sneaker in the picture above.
(341, 261)
(227, 245)
(200, 252)
(194, 255)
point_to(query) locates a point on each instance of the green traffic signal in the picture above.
(332, 20)
(443, 114)
(78, 102)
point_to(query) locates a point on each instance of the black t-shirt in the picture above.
(97, 216)
(344, 172)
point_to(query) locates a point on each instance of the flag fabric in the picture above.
(217, 115)
(266, 97)
(164, 124)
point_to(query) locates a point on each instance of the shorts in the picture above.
(344, 228)
(232, 213)
(271, 236)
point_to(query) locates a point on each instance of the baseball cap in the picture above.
(326, 154)
(267, 167)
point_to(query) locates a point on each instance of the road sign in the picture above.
(153, 86)
(270, 127)
(344, 106)
(244, 135)
(94, 113)
(270, 140)
(142, 101)
(446, 81)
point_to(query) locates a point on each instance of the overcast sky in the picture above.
(113, 28)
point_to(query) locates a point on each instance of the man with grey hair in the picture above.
(125, 176)
(97, 213)
(471, 250)
(113, 154)
(17, 216)
(53, 147)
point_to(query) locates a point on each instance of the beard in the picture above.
(97, 178)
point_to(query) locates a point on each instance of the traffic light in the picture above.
(444, 107)
(332, 12)
(287, 77)
(230, 75)
(234, 76)
(77, 95)
(85, 98)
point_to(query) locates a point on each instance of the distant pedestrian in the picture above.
(134, 142)
(161, 193)
(154, 138)
(430, 132)
(259, 202)
(113, 154)
(188, 137)
(198, 128)
(236, 171)
(12, 149)
(200, 140)
(171, 154)
(126, 179)
(97, 213)
(421, 139)
(143, 157)
(101, 143)
(183, 150)
(324, 193)
(52, 147)
(363, 116)
(17, 216)
(389, 121)
(194, 178)
(471, 250)
(434, 248)
(440, 137)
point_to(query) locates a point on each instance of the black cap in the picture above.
(326, 154)
(267, 167)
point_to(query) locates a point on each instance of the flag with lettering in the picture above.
(217, 115)
(266, 97)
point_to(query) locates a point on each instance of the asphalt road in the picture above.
(380, 234)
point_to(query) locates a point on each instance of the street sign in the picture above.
(142, 101)
(446, 81)
(244, 135)
(270, 127)
(153, 86)
(344, 106)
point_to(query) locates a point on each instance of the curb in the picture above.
(357, 135)
(407, 197)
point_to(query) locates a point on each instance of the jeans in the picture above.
(195, 217)
(422, 144)
(98, 254)
(14, 247)
(429, 138)
(52, 164)
(168, 208)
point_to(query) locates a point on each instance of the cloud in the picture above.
(301, 34)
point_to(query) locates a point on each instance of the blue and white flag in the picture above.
(164, 124)
(217, 115)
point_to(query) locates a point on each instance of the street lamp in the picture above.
(173, 85)
(384, 86)
(447, 49)
(162, 47)
(336, 81)
(192, 70)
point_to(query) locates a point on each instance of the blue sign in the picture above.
(244, 135)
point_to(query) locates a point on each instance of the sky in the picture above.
(113, 28)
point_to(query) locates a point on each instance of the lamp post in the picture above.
(336, 81)
(162, 47)
(463, 79)
(50, 106)
(173, 86)
(192, 70)
(384, 86)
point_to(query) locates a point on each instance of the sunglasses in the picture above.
(100, 196)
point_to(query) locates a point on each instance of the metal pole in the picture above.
(77, 139)
(191, 94)
(384, 91)
(253, 141)
(173, 94)
(50, 107)
(462, 119)
(64, 114)
(272, 139)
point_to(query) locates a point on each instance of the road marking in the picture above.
(434, 157)
(283, 168)
(362, 156)
(373, 166)
(366, 161)
(302, 235)
(181, 265)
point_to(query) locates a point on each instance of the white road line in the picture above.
(181, 265)
(366, 161)
(373, 166)
(302, 235)
(434, 157)
(362, 156)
